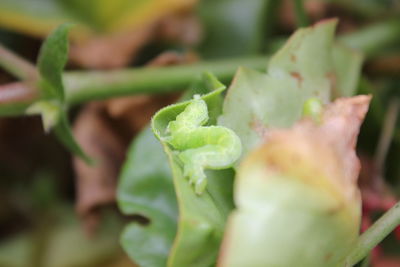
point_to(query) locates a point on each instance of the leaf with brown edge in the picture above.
(296, 195)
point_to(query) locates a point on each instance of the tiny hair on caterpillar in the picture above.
(201, 147)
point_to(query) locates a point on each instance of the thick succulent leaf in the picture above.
(51, 62)
(201, 218)
(146, 189)
(303, 68)
(299, 211)
(241, 24)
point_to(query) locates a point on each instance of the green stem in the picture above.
(16, 65)
(374, 235)
(85, 86)
(94, 85)
(301, 15)
(91, 85)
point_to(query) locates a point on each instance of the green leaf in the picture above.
(235, 27)
(302, 69)
(347, 63)
(201, 218)
(64, 134)
(51, 62)
(146, 189)
(52, 59)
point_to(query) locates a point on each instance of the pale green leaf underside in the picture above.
(302, 69)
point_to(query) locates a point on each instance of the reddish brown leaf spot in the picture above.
(298, 77)
(258, 127)
(328, 256)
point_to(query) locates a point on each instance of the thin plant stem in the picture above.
(85, 86)
(16, 65)
(82, 86)
(374, 235)
(301, 15)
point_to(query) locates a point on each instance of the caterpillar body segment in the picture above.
(201, 147)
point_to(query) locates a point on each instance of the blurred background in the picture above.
(55, 211)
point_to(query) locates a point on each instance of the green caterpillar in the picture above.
(201, 147)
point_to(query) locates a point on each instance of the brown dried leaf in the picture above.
(104, 130)
(172, 58)
(120, 48)
(111, 51)
(183, 27)
(96, 184)
(135, 112)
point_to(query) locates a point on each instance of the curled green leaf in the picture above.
(199, 146)
(202, 217)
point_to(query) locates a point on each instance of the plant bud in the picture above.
(297, 198)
